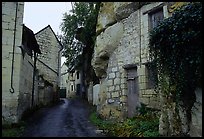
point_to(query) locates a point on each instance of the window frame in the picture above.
(155, 13)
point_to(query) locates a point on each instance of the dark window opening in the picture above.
(155, 17)
(77, 74)
(152, 75)
(72, 88)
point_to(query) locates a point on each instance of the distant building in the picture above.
(64, 80)
(49, 63)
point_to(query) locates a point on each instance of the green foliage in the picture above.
(176, 47)
(146, 125)
(84, 16)
(13, 130)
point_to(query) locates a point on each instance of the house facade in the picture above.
(121, 56)
(49, 64)
(121, 59)
(64, 81)
(27, 78)
(71, 88)
(18, 44)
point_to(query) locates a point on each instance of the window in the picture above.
(155, 17)
(77, 74)
(72, 88)
(152, 75)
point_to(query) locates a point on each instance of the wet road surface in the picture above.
(69, 118)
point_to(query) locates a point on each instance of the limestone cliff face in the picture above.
(123, 38)
(118, 43)
(110, 30)
(106, 43)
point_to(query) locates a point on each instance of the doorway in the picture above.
(133, 90)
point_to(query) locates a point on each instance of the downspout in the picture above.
(34, 69)
(140, 36)
(59, 65)
(14, 43)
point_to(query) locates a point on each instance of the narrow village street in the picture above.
(69, 118)
(101, 69)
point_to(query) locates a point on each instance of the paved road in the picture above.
(69, 118)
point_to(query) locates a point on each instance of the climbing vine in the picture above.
(175, 46)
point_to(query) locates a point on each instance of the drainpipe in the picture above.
(59, 65)
(140, 20)
(14, 43)
(34, 69)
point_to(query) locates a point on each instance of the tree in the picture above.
(176, 48)
(79, 30)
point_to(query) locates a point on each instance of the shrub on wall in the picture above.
(175, 45)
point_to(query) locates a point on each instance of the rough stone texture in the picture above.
(106, 16)
(196, 124)
(90, 93)
(126, 42)
(112, 12)
(125, 10)
(64, 76)
(26, 85)
(49, 63)
(106, 43)
(10, 100)
(121, 43)
(96, 89)
(71, 82)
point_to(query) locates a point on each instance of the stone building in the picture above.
(64, 76)
(18, 44)
(30, 75)
(49, 64)
(71, 91)
(121, 58)
(64, 80)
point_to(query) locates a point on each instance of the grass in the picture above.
(144, 125)
(13, 130)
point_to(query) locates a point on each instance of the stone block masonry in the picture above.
(10, 100)
(48, 63)
(128, 45)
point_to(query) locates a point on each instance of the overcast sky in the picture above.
(38, 15)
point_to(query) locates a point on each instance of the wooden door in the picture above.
(133, 91)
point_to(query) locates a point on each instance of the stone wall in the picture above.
(71, 85)
(26, 85)
(48, 63)
(10, 100)
(123, 31)
(96, 89)
(64, 76)
(90, 93)
(196, 123)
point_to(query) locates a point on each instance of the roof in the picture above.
(29, 41)
(52, 32)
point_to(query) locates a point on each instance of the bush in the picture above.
(144, 125)
(13, 130)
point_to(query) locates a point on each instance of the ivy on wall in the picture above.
(175, 46)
